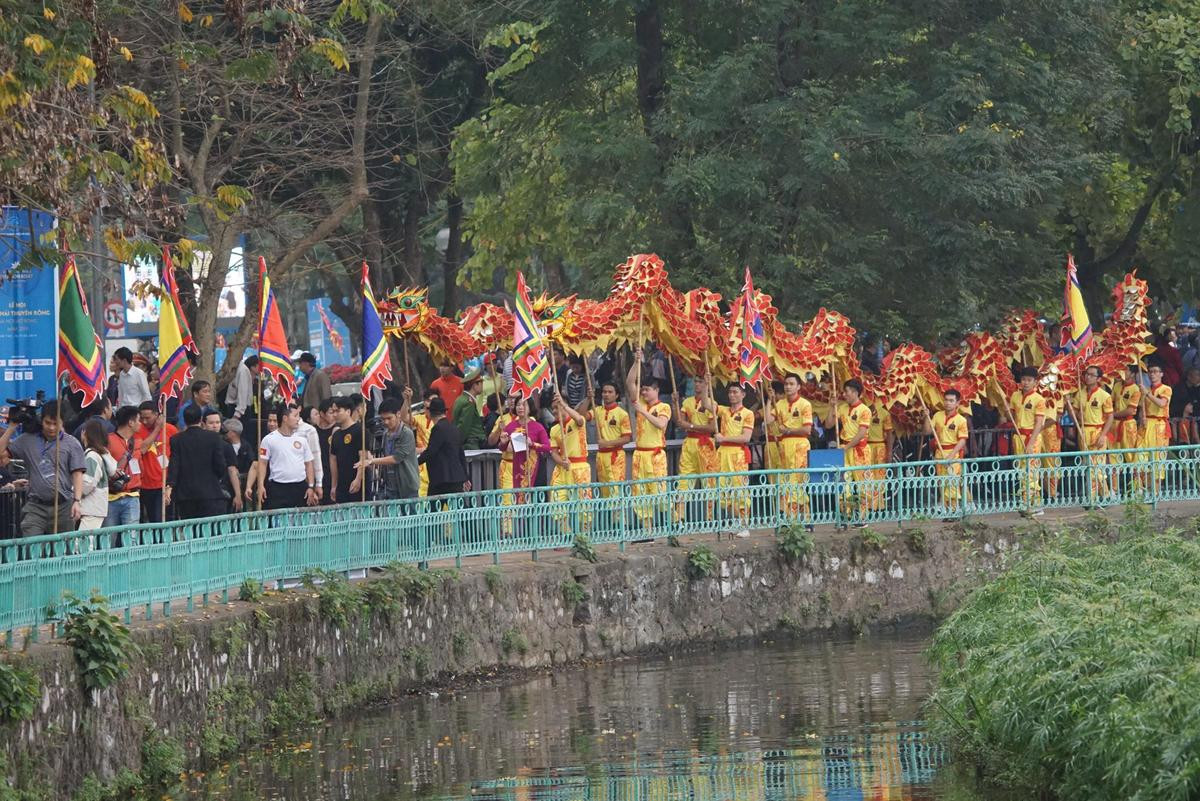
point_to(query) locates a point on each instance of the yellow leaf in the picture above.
(332, 51)
(48, 13)
(126, 54)
(185, 13)
(83, 70)
(38, 43)
(12, 93)
(206, 21)
(118, 245)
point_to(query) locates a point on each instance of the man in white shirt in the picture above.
(285, 476)
(132, 387)
(309, 432)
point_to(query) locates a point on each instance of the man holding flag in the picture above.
(1093, 408)
(175, 346)
(735, 423)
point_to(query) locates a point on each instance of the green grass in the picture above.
(1076, 674)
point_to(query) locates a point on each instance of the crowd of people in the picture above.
(130, 458)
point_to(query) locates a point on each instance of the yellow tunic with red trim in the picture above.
(612, 422)
(735, 458)
(852, 420)
(793, 447)
(579, 471)
(1158, 427)
(1127, 427)
(948, 431)
(698, 454)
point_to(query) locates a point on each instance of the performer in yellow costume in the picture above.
(1028, 409)
(1158, 425)
(649, 455)
(853, 427)
(1094, 413)
(949, 429)
(698, 455)
(1052, 444)
(789, 420)
(879, 446)
(613, 433)
(572, 473)
(735, 426)
(1126, 408)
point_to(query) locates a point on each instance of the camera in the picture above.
(27, 412)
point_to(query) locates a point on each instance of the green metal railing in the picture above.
(150, 564)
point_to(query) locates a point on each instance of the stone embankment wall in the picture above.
(211, 681)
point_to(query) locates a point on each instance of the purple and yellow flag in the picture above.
(377, 366)
(80, 359)
(174, 336)
(531, 365)
(1076, 327)
(752, 348)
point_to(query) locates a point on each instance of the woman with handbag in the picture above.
(99, 468)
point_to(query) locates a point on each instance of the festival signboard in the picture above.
(28, 307)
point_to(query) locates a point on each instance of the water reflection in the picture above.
(807, 721)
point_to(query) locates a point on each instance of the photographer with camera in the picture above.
(55, 463)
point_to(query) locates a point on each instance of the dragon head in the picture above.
(404, 310)
(1130, 299)
(556, 316)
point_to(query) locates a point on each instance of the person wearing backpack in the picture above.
(99, 467)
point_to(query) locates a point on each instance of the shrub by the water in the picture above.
(1076, 675)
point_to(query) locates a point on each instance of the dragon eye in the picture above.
(408, 303)
(553, 313)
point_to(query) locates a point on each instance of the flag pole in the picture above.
(365, 449)
(562, 429)
(937, 443)
(256, 404)
(762, 389)
(57, 440)
(162, 450)
(258, 424)
(407, 372)
(495, 383)
(833, 404)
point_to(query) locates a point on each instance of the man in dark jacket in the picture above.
(196, 469)
(443, 457)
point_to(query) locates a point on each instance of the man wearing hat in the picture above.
(317, 386)
(465, 413)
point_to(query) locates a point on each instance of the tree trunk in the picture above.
(651, 83)
(556, 275)
(353, 199)
(222, 238)
(453, 260)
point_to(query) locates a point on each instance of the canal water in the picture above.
(828, 720)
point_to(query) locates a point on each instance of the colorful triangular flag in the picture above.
(80, 359)
(531, 365)
(273, 351)
(377, 366)
(174, 336)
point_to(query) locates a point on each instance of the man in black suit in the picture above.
(196, 469)
(443, 456)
